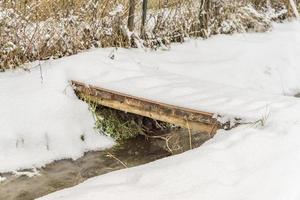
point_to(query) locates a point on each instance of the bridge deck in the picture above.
(185, 117)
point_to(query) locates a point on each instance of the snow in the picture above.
(294, 8)
(43, 122)
(246, 163)
(2, 179)
(29, 174)
(252, 76)
(117, 10)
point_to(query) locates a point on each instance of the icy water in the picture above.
(67, 173)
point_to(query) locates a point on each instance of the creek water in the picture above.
(67, 173)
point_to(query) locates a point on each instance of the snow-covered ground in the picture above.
(252, 76)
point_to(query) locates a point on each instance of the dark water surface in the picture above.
(67, 173)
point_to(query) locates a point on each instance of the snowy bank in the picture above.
(43, 122)
(250, 76)
(241, 75)
(246, 163)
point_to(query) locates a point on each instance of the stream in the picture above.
(30, 184)
(67, 173)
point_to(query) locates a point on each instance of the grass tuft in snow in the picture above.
(113, 123)
(262, 122)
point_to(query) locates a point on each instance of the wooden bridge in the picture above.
(189, 118)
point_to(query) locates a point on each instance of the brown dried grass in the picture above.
(43, 29)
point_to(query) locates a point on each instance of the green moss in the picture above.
(116, 124)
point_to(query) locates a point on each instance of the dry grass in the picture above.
(40, 10)
(42, 29)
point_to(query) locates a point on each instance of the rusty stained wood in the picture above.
(184, 117)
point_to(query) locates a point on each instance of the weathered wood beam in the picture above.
(185, 117)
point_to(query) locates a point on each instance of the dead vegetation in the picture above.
(43, 29)
(123, 126)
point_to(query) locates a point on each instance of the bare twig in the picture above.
(117, 159)
(190, 134)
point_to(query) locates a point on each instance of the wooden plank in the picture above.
(185, 117)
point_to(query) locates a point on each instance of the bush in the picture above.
(39, 29)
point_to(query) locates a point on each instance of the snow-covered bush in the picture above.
(25, 38)
(37, 30)
(223, 17)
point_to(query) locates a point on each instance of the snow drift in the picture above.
(253, 76)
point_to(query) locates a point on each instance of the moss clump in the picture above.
(116, 124)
